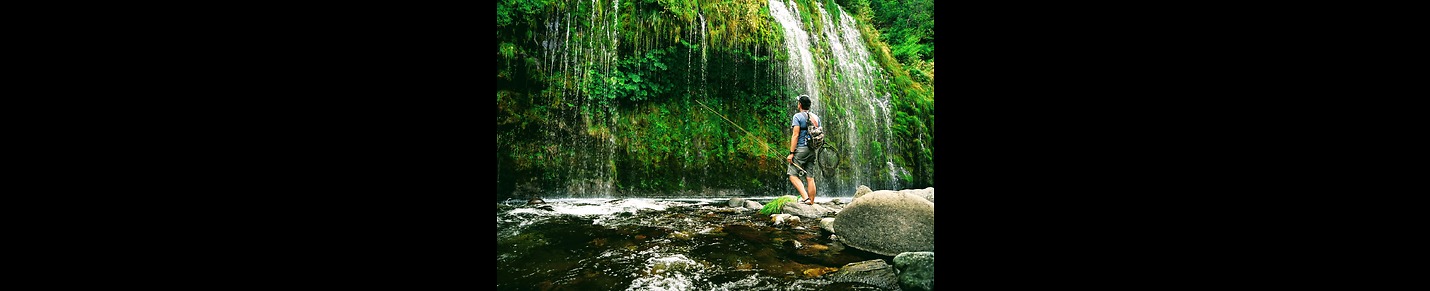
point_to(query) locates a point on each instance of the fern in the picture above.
(776, 205)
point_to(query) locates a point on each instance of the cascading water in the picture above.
(797, 41)
(579, 147)
(862, 116)
(823, 55)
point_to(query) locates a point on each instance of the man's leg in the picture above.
(797, 186)
(811, 189)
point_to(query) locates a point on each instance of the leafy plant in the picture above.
(776, 205)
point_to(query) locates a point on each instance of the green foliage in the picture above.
(568, 108)
(776, 205)
(906, 24)
(635, 79)
(510, 11)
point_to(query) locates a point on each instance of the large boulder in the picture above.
(872, 272)
(926, 193)
(915, 270)
(887, 222)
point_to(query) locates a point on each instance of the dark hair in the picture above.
(804, 102)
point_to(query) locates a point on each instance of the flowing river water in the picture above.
(665, 244)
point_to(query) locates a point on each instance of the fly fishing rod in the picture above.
(763, 143)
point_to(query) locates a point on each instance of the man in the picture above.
(799, 151)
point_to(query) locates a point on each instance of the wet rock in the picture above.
(915, 270)
(535, 201)
(835, 201)
(783, 219)
(753, 205)
(887, 223)
(815, 211)
(736, 202)
(827, 224)
(872, 272)
(794, 244)
(816, 272)
(546, 207)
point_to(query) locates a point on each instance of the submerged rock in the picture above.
(872, 272)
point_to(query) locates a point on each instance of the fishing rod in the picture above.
(763, 143)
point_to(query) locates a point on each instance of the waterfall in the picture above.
(572, 49)
(576, 151)
(801, 61)
(852, 76)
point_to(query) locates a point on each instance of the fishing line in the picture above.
(763, 143)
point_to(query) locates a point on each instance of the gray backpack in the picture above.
(816, 133)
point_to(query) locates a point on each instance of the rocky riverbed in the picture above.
(710, 244)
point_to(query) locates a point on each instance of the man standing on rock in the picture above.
(799, 150)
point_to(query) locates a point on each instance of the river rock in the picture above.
(753, 205)
(861, 191)
(736, 202)
(827, 224)
(915, 270)
(872, 272)
(784, 218)
(815, 211)
(887, 222)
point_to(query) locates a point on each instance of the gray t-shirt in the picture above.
(802, 120)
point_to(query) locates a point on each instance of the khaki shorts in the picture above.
(802, 156)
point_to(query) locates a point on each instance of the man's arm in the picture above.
(793, 137)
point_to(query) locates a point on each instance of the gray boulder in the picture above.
(872, 272)
(926, 193)
(827, 224)
(915, 270)
(887, 223)
(861, 191)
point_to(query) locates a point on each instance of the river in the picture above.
(665, 244)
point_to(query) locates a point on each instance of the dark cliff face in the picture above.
(692, 99)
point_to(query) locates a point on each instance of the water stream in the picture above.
(663, 244)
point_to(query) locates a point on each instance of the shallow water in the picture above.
(663, 244)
